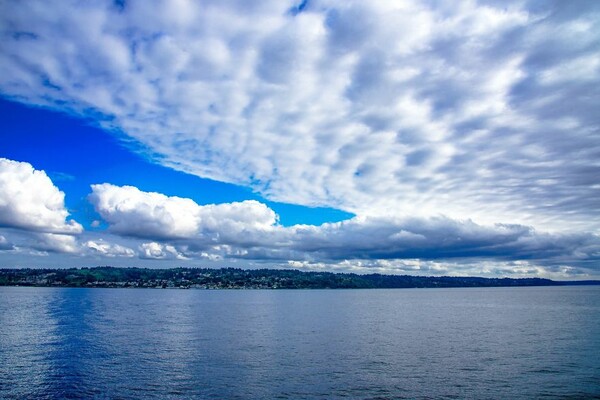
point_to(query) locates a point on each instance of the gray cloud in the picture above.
(5, 244)
(437, 239)
(28, 243)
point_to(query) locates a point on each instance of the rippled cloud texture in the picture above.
(455, 131)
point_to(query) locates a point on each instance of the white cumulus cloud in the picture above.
(132, 212)
(159, 251)
(30, 201)
(106, 249)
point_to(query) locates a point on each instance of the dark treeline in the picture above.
(234, 278)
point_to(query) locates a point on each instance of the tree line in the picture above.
(236, 278)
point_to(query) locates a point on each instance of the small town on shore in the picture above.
(236, 278)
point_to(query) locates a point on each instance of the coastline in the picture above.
(240, 279)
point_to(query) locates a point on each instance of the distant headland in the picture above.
(235, 278)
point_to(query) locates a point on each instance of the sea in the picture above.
(459, 343)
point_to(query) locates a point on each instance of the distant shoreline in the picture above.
(234, 278)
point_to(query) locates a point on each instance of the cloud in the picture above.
(5, 244)
(151, 226)
(429, 239)
(132, 212)
(512, 269)
(30, 201)
(482, 110)
(105, 249)
(181, 229)
(158, 251)
(55, 243)
(20, 241)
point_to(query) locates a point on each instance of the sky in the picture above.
(400, 137)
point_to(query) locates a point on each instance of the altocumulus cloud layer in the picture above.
(434, 122)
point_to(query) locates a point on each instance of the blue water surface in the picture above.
(404, 343)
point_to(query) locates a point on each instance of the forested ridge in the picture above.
(235, 278)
